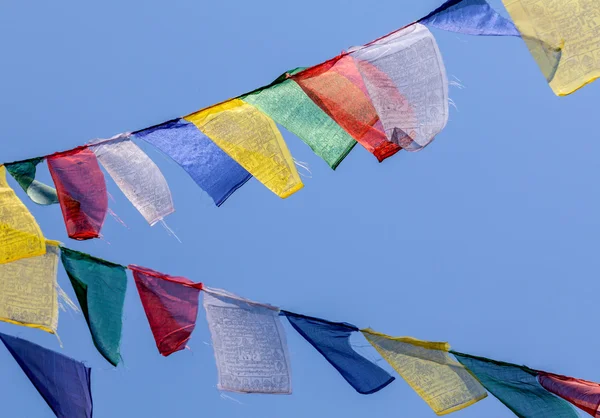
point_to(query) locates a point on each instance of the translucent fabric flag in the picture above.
(20, 235)
(427, 367)
(581, 393)
(517, 387)
(100, 288)
(28, 291)
(406, 80)
(81, 192)
(249, 343)
(571, 26)
(337, 87)
(210, 167)
(290, 107)
(65, 384)
(472, 17)
(332, 340)
(24, 173)
(137, 176)
(171, 305)
(253, 140)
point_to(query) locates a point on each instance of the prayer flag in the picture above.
(581, 393)
(427, 367)
(253, 140)
(20, 235)
(171, 305)
(332, 340)
(100, 288)
(137, 176)
(81, 192)
(65, 384)
(24, 173)
(249, 344)
(208, 165)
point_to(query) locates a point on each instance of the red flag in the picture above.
(81, 191)
(171, 305)
(581, 393)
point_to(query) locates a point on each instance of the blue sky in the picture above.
(484, 239)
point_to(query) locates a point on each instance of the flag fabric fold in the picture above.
(100, 288)
(208, 165)
(427, 367)
(249, 344)
(20, 235)
(28, 290)
(471, 17)
(332, 340)
(24, 173)
(81, 191)
(140, 180)
(253, 140)
(64, 383)
(581, 393)
(171, 306)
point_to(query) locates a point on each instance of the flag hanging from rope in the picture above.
(24, 173)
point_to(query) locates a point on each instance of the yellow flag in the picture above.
(28, 290)
(427, 367)
(252, 139)
(20, 235)
(573, 27)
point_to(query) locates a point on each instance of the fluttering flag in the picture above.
(140, 180)
(171, 305)
(24, 173)
(427, 367)
(406, 80)
(81, 192)
(20, 235)
(249, 343)
(571, 27)
(517, 388)
(471, 17)
(253, 140)
(100, 288)
(64, 383)
(581, 393)
(337, 87)
(28, 290)
(210, 167)
(332, 340)
(290, 107)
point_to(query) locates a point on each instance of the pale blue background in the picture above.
(487, 239)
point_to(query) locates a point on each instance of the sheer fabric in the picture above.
(581, 393)
(24, 173)
(427, 367)
(20, 235)
(171, 306)
(249, 343)
(81, 192)
(140, 180)
(28, 291)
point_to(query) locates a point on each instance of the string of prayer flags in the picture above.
(100, 288)
(64, 383)
(427, 367)
(517, 388)
(20, 235)
(406, 80)
(24, 173)
(471, 17)
(140, 180)
(581, 393)
(249, 343)
(253, 140)
(572, 28)
(288, 105)
(28, 290)
(171, 306)
(332, 340)
(81, 192)
(210, 167)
